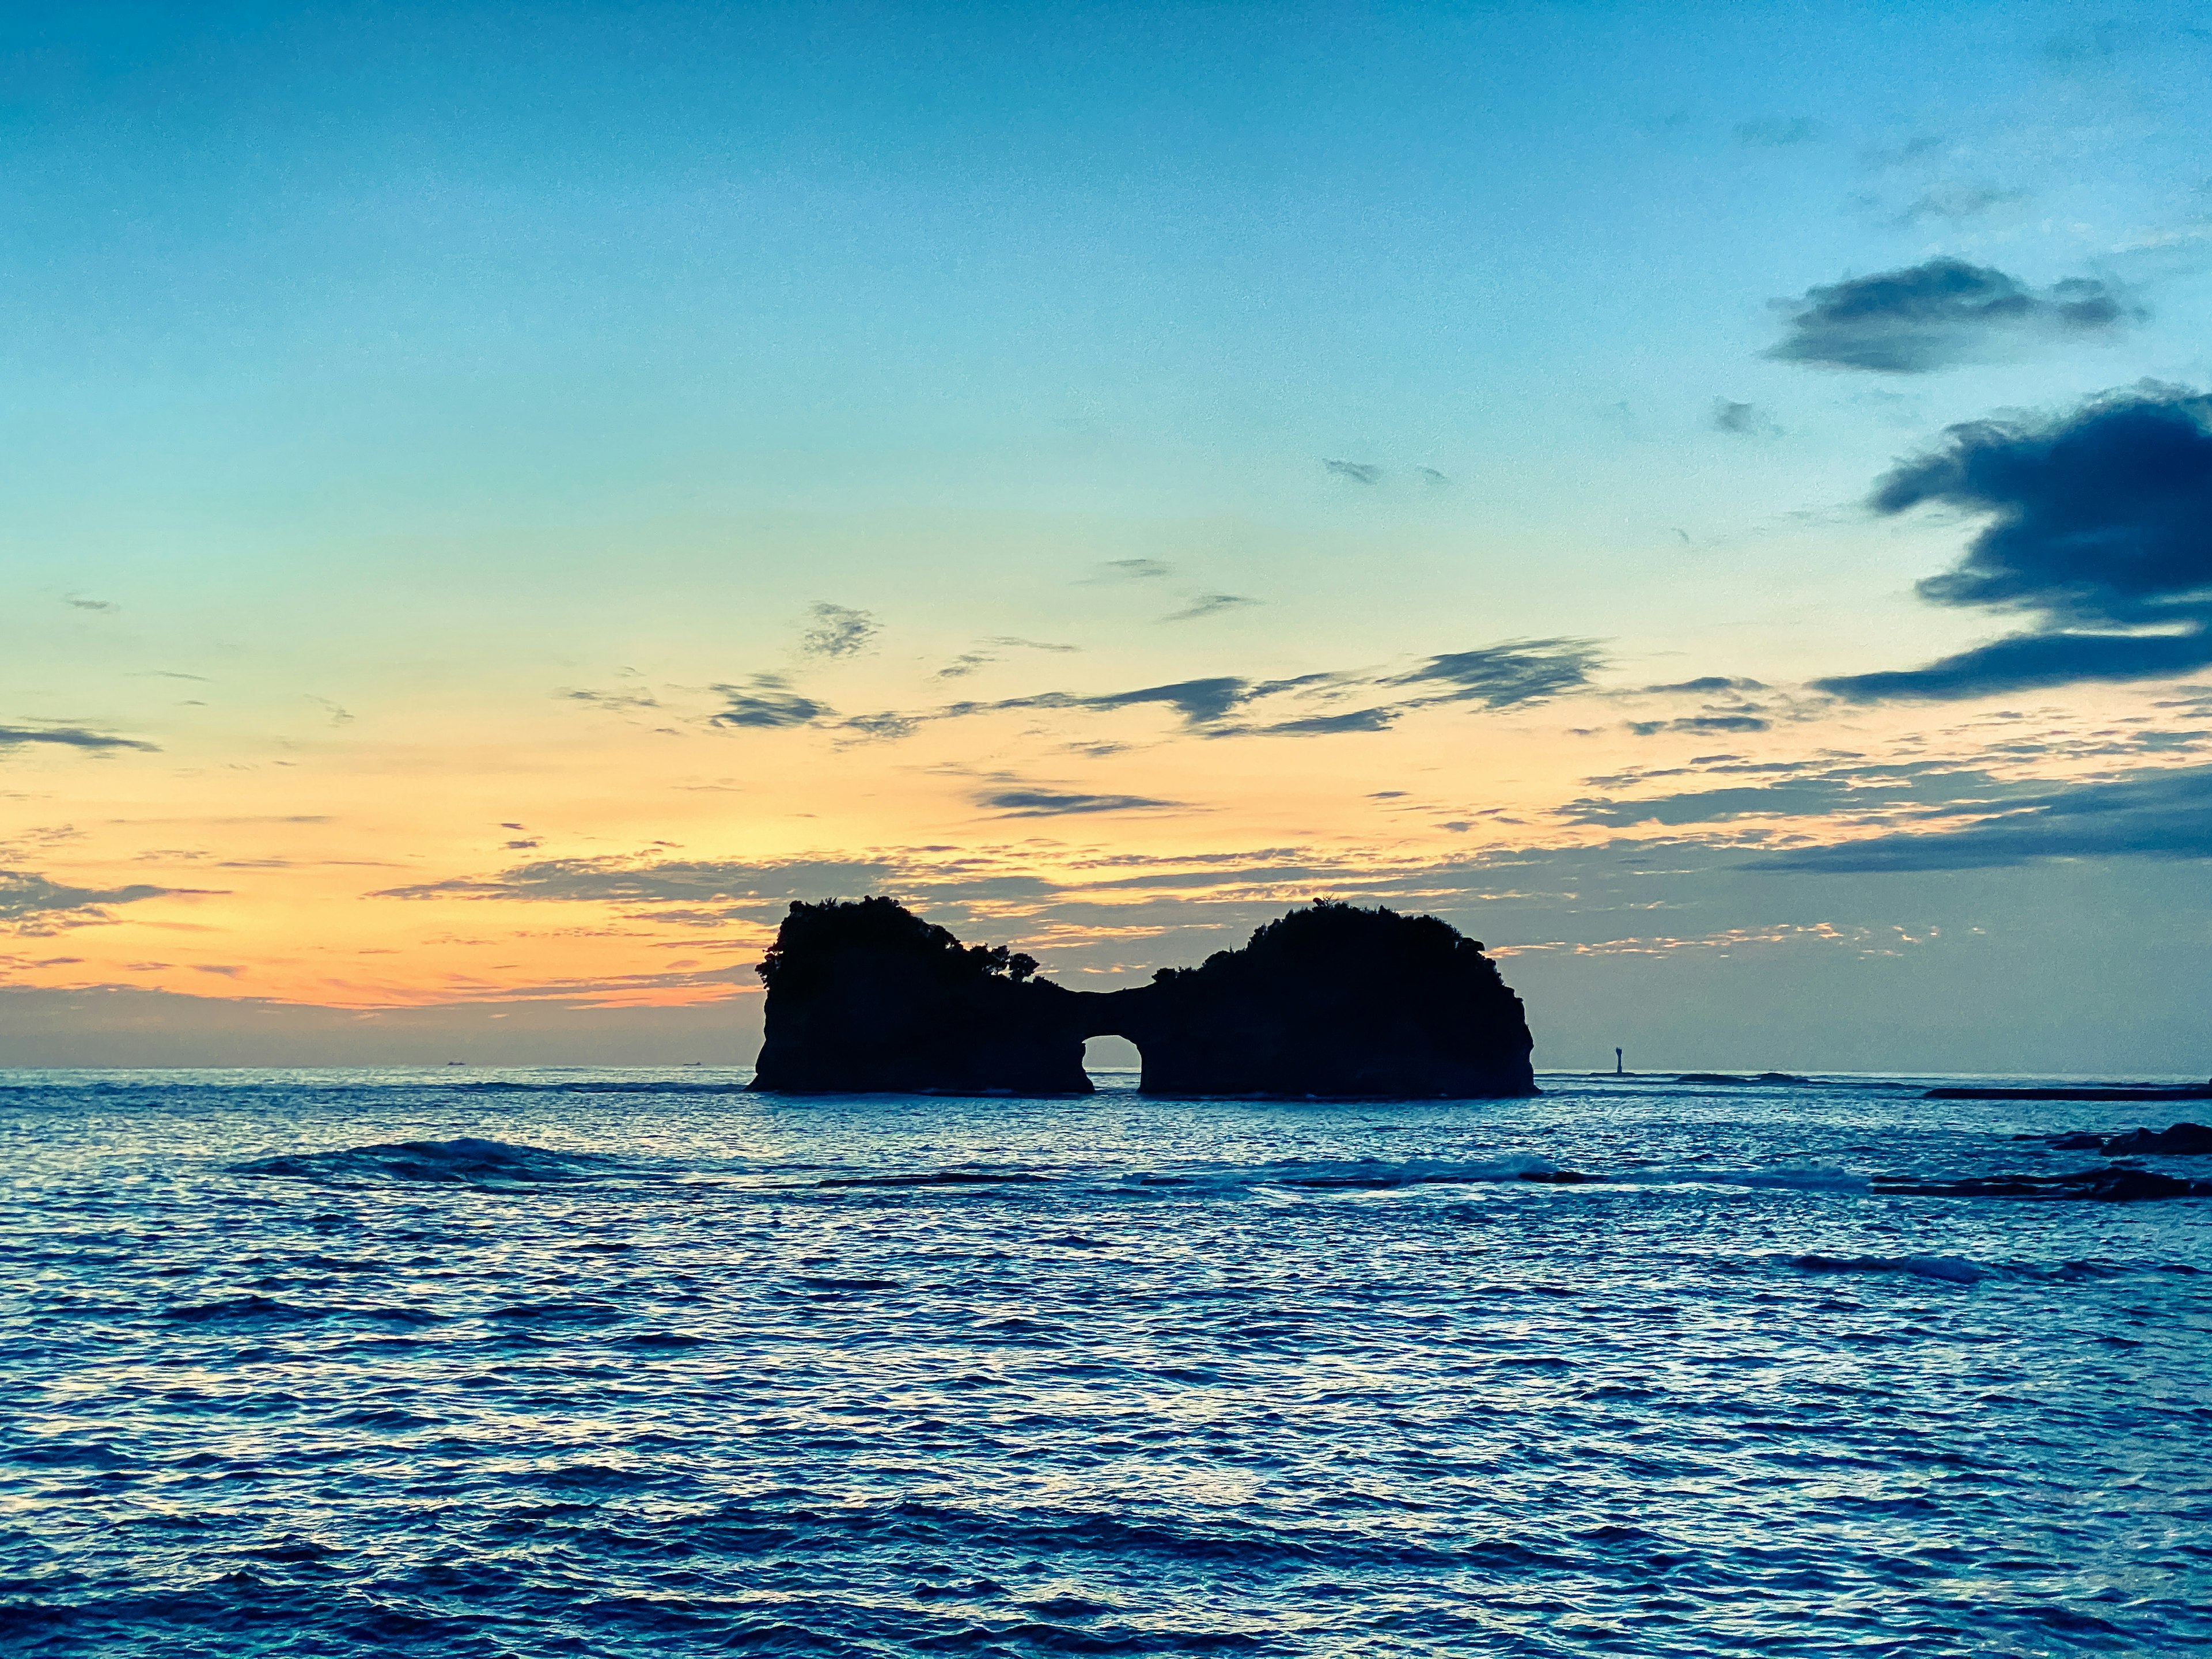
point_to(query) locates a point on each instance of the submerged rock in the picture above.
(2182, 1140)
(1329, 1001)
(2113, 1184)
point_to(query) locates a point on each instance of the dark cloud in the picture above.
(767, 702)
(1775, 134)
(1431, 477)
(1359, 719)
(1501, 676)
(1197, 701)
(1945, 311)
(1054, 803)
(1709, 684)
(29, 899)
(2028, 662)
(2098, 522)
(70, 736)
(77, 603)
(836, 631)
(1358, 472)
(1210, 605)
(2156, 815)
(1699, 723)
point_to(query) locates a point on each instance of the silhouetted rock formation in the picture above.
(1332, 1001)
(1329, 1000)
(865, 997)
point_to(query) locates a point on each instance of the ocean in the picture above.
(465, 1362)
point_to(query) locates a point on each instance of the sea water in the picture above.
(523, 1362)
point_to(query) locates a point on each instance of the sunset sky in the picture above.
(1716, 503)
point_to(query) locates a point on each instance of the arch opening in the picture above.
(1112, 1062)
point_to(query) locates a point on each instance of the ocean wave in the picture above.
(1949, 1269)
(1788, 1180)
(496, 1165)
(1368, 1175)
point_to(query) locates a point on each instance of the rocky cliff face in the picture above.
(1337, 1001)
(1329, 1000)
(865, 997)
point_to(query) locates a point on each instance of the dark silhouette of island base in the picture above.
(1328, 1001)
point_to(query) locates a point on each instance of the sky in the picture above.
(1715, 501)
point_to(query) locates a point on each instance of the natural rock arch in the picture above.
(864, 996)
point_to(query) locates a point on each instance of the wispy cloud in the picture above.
(2156, 815)
(1501, 676)
(71, 737)
(1210, 605)
(766, 703)
(836, 630)
(1130, 570)
(31, 905)
(1361, 473)
(1034, 803)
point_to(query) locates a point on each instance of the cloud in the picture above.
(1958, 203)
(766, 702)
(888, 725)
(837, 631)
(1710, 682)
(2098, 522)
(1775, 134)
(614, 701)
(1210, 604)
(2029, 662)
(628, 881)
(77, 603)
(1501, 676)
(30, 902)
(1197, 701)
(71, 737)
(1745, 420)
(1358, 472)
(1943, 313)
(1050, 803)
(1130, 570)
(1433, 478)
(1359, 719)
(1699, 723)
(2156, 815)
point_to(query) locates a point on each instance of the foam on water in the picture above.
(614, 1363)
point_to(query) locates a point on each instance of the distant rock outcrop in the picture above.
(1329, 1000)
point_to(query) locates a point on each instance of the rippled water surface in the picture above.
(621, 1363)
